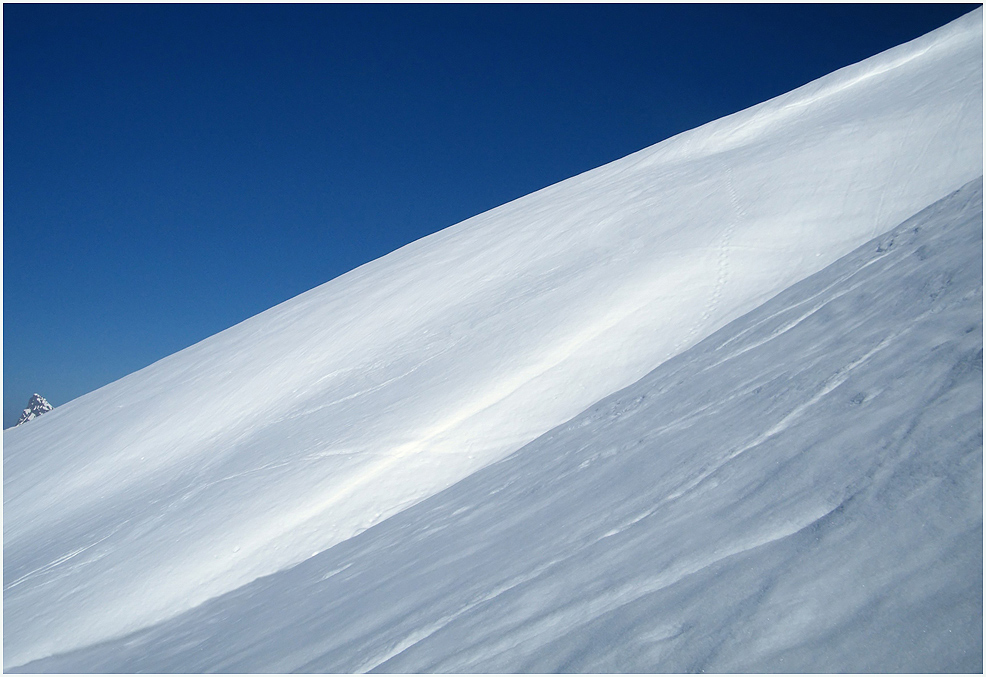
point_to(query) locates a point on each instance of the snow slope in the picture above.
(800, 492)
(303, 426)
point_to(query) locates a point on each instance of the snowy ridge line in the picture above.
(793, 323)
(748, 125)
(567, 556)
(300, 428)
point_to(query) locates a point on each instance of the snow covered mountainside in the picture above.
(800, 492)
(296, 430)
(36, 406)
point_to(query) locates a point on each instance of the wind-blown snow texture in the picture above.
(802, 491)
(301, 427)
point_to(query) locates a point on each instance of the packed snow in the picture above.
(296, 430)
(800, 492)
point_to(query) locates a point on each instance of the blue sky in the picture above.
(171, 170)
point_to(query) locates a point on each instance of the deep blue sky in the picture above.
(170, 170)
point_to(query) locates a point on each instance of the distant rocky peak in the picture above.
(36, 406)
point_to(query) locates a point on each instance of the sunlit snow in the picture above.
(800, 492)
(310, 423)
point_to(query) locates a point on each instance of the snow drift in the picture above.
(303, 426)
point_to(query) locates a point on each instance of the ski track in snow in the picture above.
(300, 428)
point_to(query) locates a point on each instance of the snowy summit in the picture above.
(36, 406)
(715, 406)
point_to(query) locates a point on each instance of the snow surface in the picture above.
(311, 422)
(802, 491)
